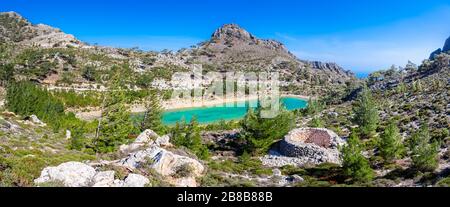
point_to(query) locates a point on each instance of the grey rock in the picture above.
(71, 174)
(165, 163)
(276, 172)
(435, 53)
(144, 139)
(296, 179)
(446, 47)
(135, 180)
(163, 141)
(103, 179)
(36, 120)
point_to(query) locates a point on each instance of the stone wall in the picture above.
(300, 143)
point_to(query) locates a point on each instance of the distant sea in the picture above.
(362, 75)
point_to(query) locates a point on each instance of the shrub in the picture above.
(115, 125)
(355, 165)
(6, 74)
(153, 114)
(390, 145)
(424, 154)
(188, 135)
(90, 74)
(260, 133)
(366, 113)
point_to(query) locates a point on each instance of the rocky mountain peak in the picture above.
(231, 32)
(16, 29)
(446, 47)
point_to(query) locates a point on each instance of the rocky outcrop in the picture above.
(306, 146)
(70, 174)
(232, 48)
(329, 66)
(167, 164)
(435, 53)
(35, 120)
(145, 138)
(146, 152)
(445, 49)
(76, 174)
(14, 28)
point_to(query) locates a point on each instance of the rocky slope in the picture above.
(233, 48)
(14, 28)
(445, 49)
(60, 58)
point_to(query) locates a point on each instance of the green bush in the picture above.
(354, 164)
(26, 99)
(6, 74)
(390, 145)
(366, 113)
(71, 98)
(188, 135)
(260, 133)
(424, 153)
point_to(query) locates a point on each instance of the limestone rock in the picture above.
(163, 141)
(103, 179)
(145, 138)
(135, 180)
(165, 163)
(35, 120)
(68, 134)
(446, 47)
(71, 174)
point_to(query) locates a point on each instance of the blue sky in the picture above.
(360, 35)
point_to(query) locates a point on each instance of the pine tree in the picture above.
(391, 146)
(424, 154)
(153, 114)
(260, 133)
(188, 135)
(6, 74)
(194, 140)
(354, 164)
(366, 113)
(316, 122)
(115, 124)
(313, 107)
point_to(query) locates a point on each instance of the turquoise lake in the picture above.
(220, 112)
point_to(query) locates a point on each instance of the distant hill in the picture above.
(15, 28)
(231, 48)
(445, 49)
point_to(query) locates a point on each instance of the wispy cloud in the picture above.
(370, 49)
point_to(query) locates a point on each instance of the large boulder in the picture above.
(167, 164)
(144, 139)
(35, 120)
(135, 180)
(76, 174)
(103, 179)
(446, 47)
(70, 174)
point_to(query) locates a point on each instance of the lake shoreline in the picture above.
(176, 105)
